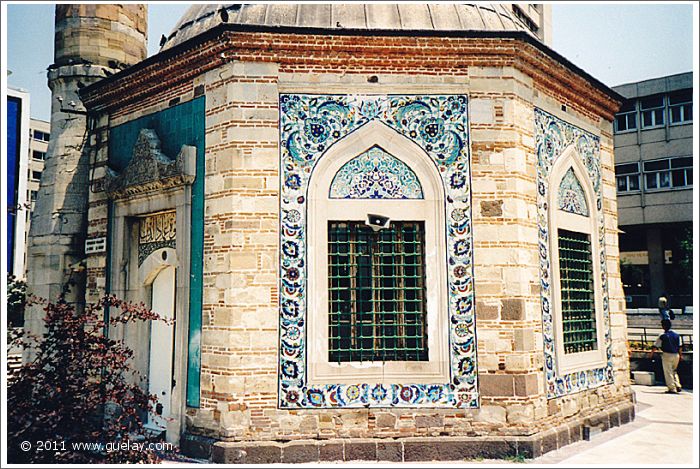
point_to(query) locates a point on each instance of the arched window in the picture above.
(576, 279)
(376, 258)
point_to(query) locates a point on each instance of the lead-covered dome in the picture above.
(371, 17)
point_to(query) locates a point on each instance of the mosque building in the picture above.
(385, 232)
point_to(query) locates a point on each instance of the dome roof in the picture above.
(372, 17)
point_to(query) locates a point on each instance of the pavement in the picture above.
(660, 435)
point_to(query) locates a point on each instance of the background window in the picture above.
(668, 173)
(680, 106)
(36, 175)
(38, 155)
(377, 292)
(627, 176)
(42, 136)
(626, 118)
(682, 172)
(577, 293)
(652, 111)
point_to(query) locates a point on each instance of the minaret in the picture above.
(92, 41)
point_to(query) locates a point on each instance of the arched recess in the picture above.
(429, 210)
(157, 274)
(581, 229)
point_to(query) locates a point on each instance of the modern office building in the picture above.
(39, 133)
(27, 144)
(654, 172)
(17, 164)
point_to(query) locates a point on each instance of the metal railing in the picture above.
(648, 335)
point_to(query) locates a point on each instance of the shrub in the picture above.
(79, 389)
(16, 298)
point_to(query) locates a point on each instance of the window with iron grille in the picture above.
(377, 307)
(577, 292)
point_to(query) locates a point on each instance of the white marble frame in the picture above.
(430, 210)
(129, 282)
(571, 363)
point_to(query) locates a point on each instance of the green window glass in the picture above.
(577, 292)
(376, 292)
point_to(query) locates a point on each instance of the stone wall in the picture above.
(505, 82)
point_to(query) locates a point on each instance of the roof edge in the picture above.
(222, 28)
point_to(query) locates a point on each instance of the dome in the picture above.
(371, 17)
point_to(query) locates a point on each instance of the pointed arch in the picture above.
(375, 174)
(440, 158)
(376, 133)
(575, 229)
(570, 195)
(428, 211)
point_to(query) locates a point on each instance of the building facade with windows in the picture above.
(39, 135)
(654, 172)
(17, 151)
(26, 149)
(386, 232)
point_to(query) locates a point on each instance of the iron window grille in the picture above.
(577, 292)
(377, 292)
(627, 176)
(652, 111)
(680, 107)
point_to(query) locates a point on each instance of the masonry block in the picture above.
(492, 385)
(512, 309)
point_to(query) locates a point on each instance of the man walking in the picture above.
(664, 311)
(671, 346)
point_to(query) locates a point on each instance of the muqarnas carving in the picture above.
(150, 169)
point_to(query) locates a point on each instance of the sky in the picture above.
(615, 43)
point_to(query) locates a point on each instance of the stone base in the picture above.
(405, 449)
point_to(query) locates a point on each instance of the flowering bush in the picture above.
(79, 400)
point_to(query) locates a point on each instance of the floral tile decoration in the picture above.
(375, 174)
(309, 125)
(552, 137)
(571, 197)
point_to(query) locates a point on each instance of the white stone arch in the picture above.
(560, 219)
(430, 210)
(155, 263)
